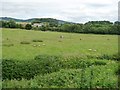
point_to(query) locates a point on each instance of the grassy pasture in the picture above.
(36, 59)
(71, 45)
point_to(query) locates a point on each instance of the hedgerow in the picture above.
(42, 64)
(93, 77)
(13, 69)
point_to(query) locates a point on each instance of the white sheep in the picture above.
(95, 50)
(90, 49)
(34, 45)
(43, 44)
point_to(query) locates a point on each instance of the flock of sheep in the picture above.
(39, 45)
(45, 44)
(92, 50)
(61, 36)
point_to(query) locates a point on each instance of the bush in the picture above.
(37, 40)
(76, 62)
(118, 69)
(24, 42)
(28, 26)
(13, 69)
(72, 78)
(43, 64)
(109, 57)
(116, 57)
(17, 70)
(100, 62)
(49, 64)
(8, 45)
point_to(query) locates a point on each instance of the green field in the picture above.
(54, 45)
(75, 56)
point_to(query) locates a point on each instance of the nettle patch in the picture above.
(13, 69)
(43, 64)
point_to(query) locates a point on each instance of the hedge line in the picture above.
(42, 64)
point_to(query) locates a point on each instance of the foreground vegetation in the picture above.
(33, 59)
(55, 71)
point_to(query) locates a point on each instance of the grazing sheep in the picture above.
(61, 36)
(43, 44)
(89, 49)
(34, 45)
(94, 50)
(39, 45)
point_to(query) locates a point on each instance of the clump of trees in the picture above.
(28, 26)
(10, 24)
(101, 27)
(95, 27)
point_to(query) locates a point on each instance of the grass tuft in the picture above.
(37, 40)
(24, 42)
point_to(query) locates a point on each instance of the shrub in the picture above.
(76, 62)
(100, 62)
(28, 26)
(37, 40)
(24, 42)
(17, 70)
(109, 57)
(13, 69)
(77, 78)
(43, 64)
(117, 71)
(8, 45)
(94, 77)
(16, 84)
(116, 57)
(63, 78)
(105, 56)
(49, 64)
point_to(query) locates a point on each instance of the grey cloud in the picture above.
(94, 5)
(62, 9)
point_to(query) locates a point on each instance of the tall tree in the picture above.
(28, 26)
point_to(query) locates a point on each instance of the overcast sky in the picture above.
(69, 10)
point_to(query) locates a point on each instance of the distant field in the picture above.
(70, 45)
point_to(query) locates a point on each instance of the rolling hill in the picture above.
(49, 20)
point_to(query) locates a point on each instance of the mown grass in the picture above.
(48, 61)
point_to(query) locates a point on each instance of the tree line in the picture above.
(95, 27)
